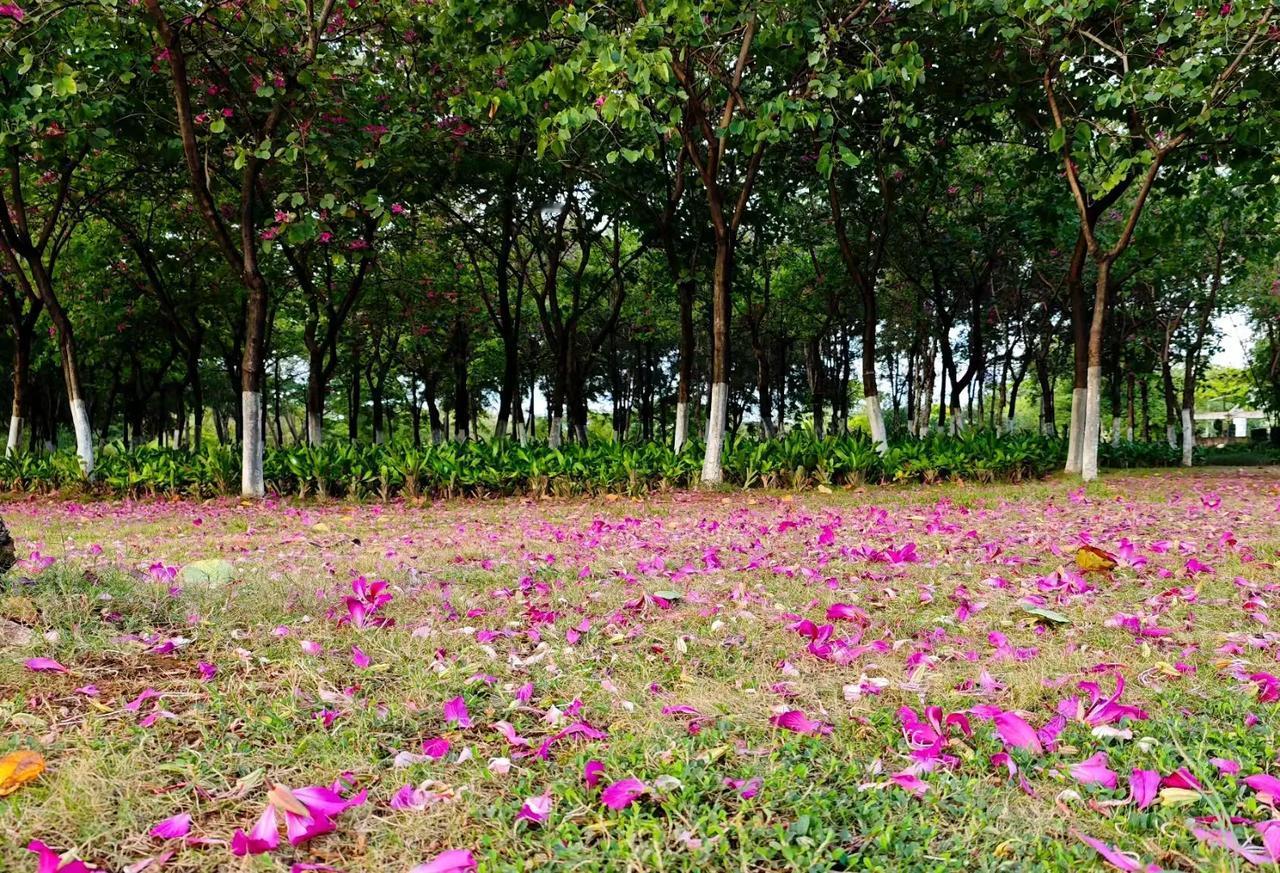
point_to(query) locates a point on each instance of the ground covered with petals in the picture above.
(957, 677)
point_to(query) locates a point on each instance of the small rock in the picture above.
(14, 635)
(8, 555)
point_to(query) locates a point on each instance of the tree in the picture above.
(1126, 85)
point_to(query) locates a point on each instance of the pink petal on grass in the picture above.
(450, 861)
(1226, 839)
(1226, 765)
(535, 809)
(359, 658)
(796, 721)
(49, 861)
(623, 793)
(911, 783)
(455, 712)
(1015, 732)
(508, 732)
(1267, 787)
(136, 704)
(592, 772)
(173, 827)
(1118, 859)
(264, 837)
(1143, 784)
(44, 665)
(1181, 778)
(436, 747)
(1270, 831)
(1094, 771)
(746, 788)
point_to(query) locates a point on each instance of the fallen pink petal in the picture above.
(623, 793)
(172, 828)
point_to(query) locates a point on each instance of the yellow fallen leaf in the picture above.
(18, 768)
(1094, 560)
(1178, 796)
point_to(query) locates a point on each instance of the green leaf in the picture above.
(1047, 615)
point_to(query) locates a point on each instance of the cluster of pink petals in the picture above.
(365, 604)
(308, 812)
(796, 721)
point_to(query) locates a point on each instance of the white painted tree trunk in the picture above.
(1008, 425)
(682, 424)
(522, 435)
(1115, 431)
(1188, 437)
(553, 433)
(15, 435)
(251, 448)
(1075, 431)
(1128, 434)
(437, 435)
(957, 420)
(712, 467)
(1171, 435)
(84, 436)
(875, 418)
(315, 428)
(1092, 426)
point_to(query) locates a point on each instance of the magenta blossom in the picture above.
(1102, 709)
(1118, 859)
(455, 712)
(910, 783)
(1143, 785)
(592, 772)
(450, 861)
(1094, 771)
(746, 788)
(263, 838)
(1016, 733)
(796, 721)
(44, 665)
(623, 793)
(1267, 787)
(535, 809)
(308, 812)
(365, 602)
(49, 861)
(173, 827)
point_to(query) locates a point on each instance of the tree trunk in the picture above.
(21, 380)
(253, 441)
(718, 420)
(461, 393)
(687, 350)
(315, 397)
(1080, 357)
(1093, 386)
(813, 370)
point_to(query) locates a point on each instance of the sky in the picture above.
(1235, 337)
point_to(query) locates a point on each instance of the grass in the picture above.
(484, 594)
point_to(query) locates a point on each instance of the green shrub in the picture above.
(797, 460)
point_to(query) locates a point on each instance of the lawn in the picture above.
(897, 678)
